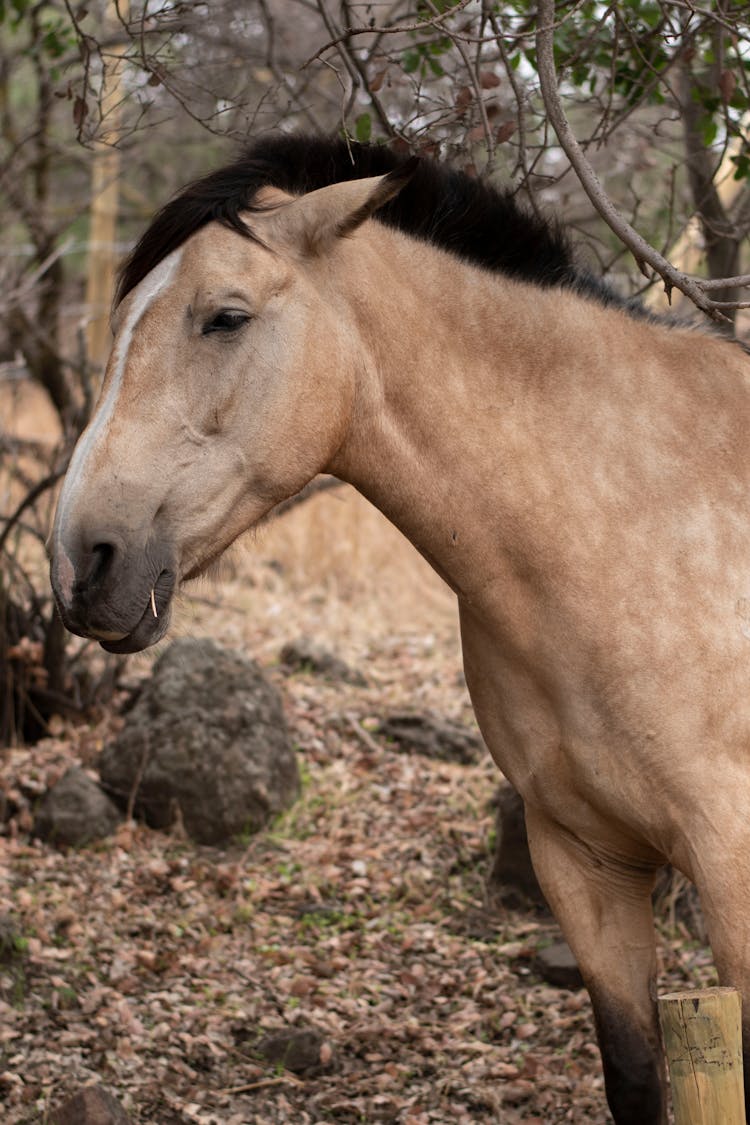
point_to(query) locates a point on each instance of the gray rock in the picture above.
(205, 742)
(305, 655)
(90, 1106)
(303, 1050)
(557, 966)
(75, 811)
(433, 736)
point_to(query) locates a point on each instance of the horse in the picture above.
(576, 470)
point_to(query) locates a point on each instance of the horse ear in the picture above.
(314, 222)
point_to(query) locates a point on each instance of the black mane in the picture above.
(440, 205)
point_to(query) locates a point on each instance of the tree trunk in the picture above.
(720, 236)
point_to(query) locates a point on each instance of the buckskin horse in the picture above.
(575, 470)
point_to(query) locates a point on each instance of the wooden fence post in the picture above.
(702, 1032)
(105, 172)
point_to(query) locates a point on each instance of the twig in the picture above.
(263, 1083)
(26, 284)
(347, 60)
(361, 69)
(27, 528)
(473, 74)
(519, 97)
(364, 736)
(733, 28)
(32, 447)
(393, 29)
(740, 282)
(28, 500)
(282, 78)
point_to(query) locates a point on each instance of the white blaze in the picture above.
(144, 294)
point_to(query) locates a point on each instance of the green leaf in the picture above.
(709, 129)
(410, 61)
(363, 128)
(741, 166)
(57, 37)
(439, 46)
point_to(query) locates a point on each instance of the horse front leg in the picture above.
(604, 909)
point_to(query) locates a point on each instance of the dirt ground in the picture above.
(155, 966)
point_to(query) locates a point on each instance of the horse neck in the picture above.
(481, 402)
(441, 347)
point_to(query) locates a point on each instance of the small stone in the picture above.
(91, 1106)
(302, 1050)
(305, 655)
(75, 811)
(557, 965)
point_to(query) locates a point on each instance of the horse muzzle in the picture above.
(114, 596)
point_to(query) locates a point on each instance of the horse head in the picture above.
(229, 386)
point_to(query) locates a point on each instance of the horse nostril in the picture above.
(100, 562)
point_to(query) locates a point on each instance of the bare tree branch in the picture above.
(472, 71)
(29, 499)
(739, 282)
(395, 29)
(642, 251)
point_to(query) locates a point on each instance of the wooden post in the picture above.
(703, 1039)
(105, 171)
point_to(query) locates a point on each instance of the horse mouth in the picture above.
(153, 623)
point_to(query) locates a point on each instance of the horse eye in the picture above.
(228, 320)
